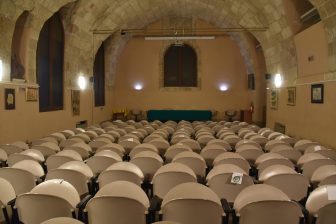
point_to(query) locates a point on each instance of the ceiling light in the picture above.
(223, 87)
(138, 86)
(81, 82)
(1, 70)
(278, 80)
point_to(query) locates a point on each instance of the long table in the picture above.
(178, 115)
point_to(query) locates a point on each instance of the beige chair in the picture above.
(210, 152)
(219, 179)
(264, 204)
(62, 220)
(293, 184)
(128, 144)
(203, 140)
(287, 139)
(301, 145)
(113, 147)
(10, 149)
(30, 154)
(67, 133)
(249, 152)
(321, 204)
(192, 203)
(272, 143)
(148, 162)
(3, 157)
(247, 143)
(193, 144)
(76, 173)
(321, 174)
(7, 194)
(161, 144)
(143, 147)
(121, 171)
(309, 168)
(291, 154)
(232, 158)
(232, 140)
(269, 159)
(59, 136)
(194, 161)
(221, 142)
(21, 180)
(50, 199)
(54, 161)
(101, 160)
(69, 142)
(21, 144)
(174, 150)
(261, 140)
(166, 222)
(170, 175)
(99, 142)
(120, 201)
(31, 166)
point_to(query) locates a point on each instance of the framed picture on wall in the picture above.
(10, 99)
(317, 93)
(75, 102)
(291, 96)
(274, 99)
(31, 94)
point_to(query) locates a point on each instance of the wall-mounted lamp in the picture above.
(81, 82)
(278, 80)
(223, 87)
(1, 70)
(138, 86)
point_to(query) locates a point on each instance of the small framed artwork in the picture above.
(75, 102)
(10, 99)
(31, 94)
(274, 99)
(291, 96)
(317, 93)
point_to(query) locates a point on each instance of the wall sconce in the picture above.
(82, 82)
(138, 86)
(223, 87)
(278, 80)
(1, 70)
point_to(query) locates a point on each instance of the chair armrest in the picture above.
(227, 210)
(304, 212)
(155, 204)
(12, 202)
(84, 201)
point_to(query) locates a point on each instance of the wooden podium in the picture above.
(246, 115)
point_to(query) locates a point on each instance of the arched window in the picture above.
(99, 77)
(180, 66)
(49, 59)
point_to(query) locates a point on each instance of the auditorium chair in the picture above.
(192, 203)
(143, 147)
(271, 158)
(114, 148)
(148, 162)
(170, 175)
(272, 143)
(166, 222)
(121, 171)
(82, 136)
(174, 150)
(265, 204)
(7, 194)
(99, 142)
(293, 184)
(161, 144)
(301, 145)
(128, 144)
(177, 137)
(232, 140)
(287, 139)
(309, 168)
(193, 144)
(11, 149)
(118, 202)
(232, 158)
(62, 157)
(210, 152)
(50, 199)
(58, 136)
(44, 140)
(3, 158)
(62, 220)
(84, 153)
(221, 142)
(203, 140)
(29, 154)
(248, 143)
(249, 152)
(289, 153)
(101, 160)
(67, 133)
(324, 175)
(77, 173)
(219, 179)
(261, 140)
(194, 161)
(321, 204)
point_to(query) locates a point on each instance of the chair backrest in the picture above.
(323, 172)
(173, 150)
(148, 162)
(170, 175)
(7, 193)
(100, 163)
(322, 205)
(62, 220)
(192, 203)
(309, 167)
(210, 152)
(31, 166)
(54, 161)
(193, 161)
(21, 180)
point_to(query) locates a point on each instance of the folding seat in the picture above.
(10, 149)
(149, 129)
(148, 162)
(176, 138)
(77, 173)
(301, 145)
(261, 140)
(99, 131)
(274, 135)
(265, 204)
(50, 199)
(43, 140)
(242, 132)
(309, 165)
(254, 127)
(143, 147)
(161, 144)
(289, 153)
(3, 157)
(193, 144)
(265, 133)
(83, 136)
(152, 137)
(293, 184)
(309, 157)
(21, 144)
(210, 152)
(62, 157)
(91, 134)
(58, 136)
(194, 161)
(269, 159)
(203, 140)
(114, 148)
(170, 175)
(272, 143)
(124, 171)
(128, 144)
(249, 152)
(84, 153)
(69, 142)
(101, 160)
(129, 136)
(221, 142)
(232, 140)
(62, 220)
(192, 203)
(324, 175)
(219, 179)
(99, 142)
(120, 201)
(105, 136)
(68, 133)
(314, 148)
(321, 204)
(232, 158)
(203, 133)
(7, 194)
(329, 153)
(250, 135)
(224, 131)
(173, 150)
(29, 154)
(247, 142)
(78, 130)
(287, 139)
